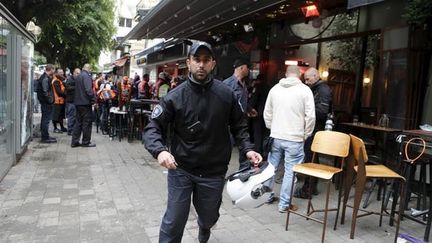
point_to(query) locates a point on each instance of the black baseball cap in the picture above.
(201, 44)
(241, 61)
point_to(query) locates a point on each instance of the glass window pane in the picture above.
(6, 154)
(121, 22)
(128, 22)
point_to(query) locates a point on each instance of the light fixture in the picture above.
(34, 29)
(310, 11)
(296, 63)
(366, 81)
(248, 27)
(325, 74)
(291, 63)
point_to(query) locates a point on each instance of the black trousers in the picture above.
(47, 110)
(206, 194)
(83, 124)
(260, 132)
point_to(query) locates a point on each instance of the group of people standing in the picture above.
(203, 115)
(72, 95)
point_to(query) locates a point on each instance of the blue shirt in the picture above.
(240, 91)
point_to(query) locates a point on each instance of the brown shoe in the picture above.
(292, 207)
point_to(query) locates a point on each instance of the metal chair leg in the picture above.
(347, 188)
(290, 202)
(401, 208)
(382, 203)
(341, 188)
(326, 211)
(359, 189)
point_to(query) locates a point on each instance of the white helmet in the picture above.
(249, 188)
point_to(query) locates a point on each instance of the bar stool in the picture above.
(331, 143)
(409, 166)
(116, 121)
(357, 164)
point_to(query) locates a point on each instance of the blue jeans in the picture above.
(293, 154)
(47, 110)
(70, 116)
(206, 197)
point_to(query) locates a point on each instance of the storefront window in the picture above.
(6, 158)
(26, 111)
(3, 92)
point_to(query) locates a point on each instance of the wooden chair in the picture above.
(357, 164)
(332, 143)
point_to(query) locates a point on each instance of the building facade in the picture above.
(120, 61)
(375, 61)
(16, 53)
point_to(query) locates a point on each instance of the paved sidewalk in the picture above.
(116, 192)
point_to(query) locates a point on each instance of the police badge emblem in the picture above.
(157, 111)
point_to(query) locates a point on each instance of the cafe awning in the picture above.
(121, 61)
(185, 18)
(169, 50)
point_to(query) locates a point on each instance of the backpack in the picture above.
(37, 84)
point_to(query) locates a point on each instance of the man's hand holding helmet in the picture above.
(254, 157)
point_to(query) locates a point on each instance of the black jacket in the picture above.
(201, 117)
(70, 89)
(323, 102)
(258, 97)
(45, 92)
(84, 89)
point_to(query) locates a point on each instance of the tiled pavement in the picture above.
(116, 192)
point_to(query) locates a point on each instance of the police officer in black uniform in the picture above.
(201, 112)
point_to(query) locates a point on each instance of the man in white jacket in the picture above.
(289, 113)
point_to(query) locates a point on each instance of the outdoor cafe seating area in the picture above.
(403, 190)
(379, 164)
(128, 122)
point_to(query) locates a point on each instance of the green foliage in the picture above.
(345, 54)
(38, 59)
(75, 32)
(418, 12)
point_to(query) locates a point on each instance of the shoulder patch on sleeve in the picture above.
(157, 111)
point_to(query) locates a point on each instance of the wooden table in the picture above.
(385, 131)
(420, 133)
(371, 127)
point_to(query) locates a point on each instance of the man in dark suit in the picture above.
(84, 98)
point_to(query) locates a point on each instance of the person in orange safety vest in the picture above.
(59, 100)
